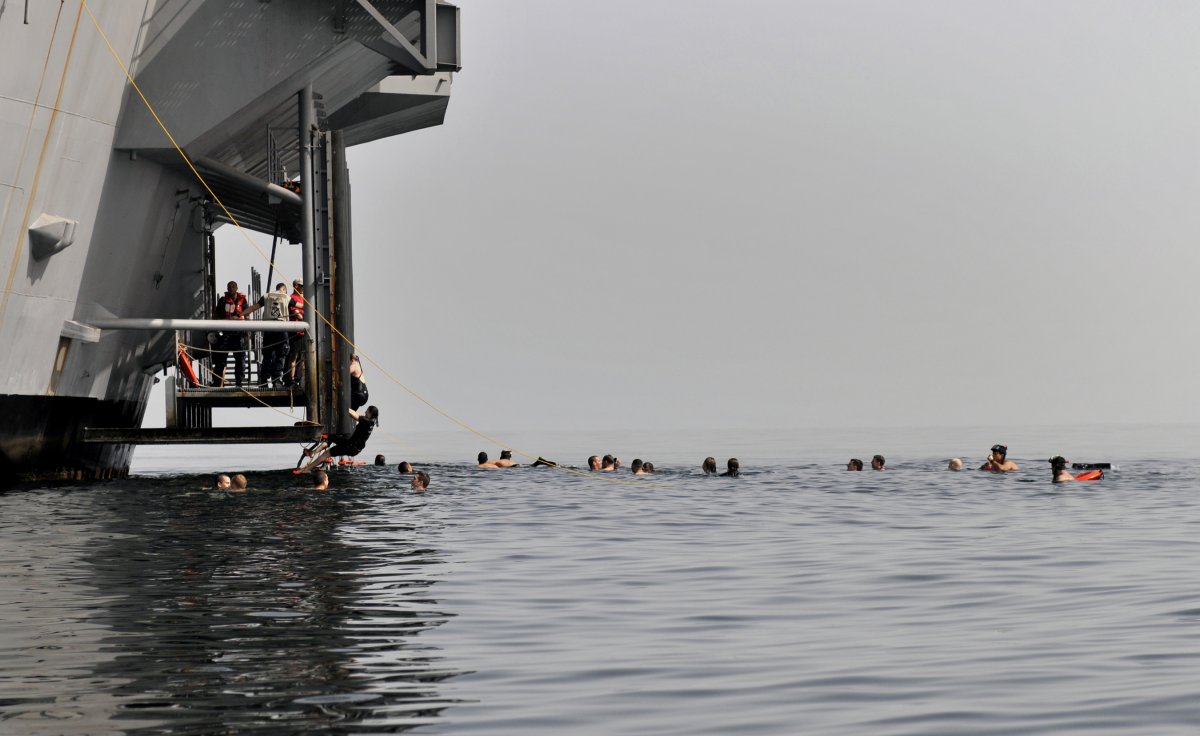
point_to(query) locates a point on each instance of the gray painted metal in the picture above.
(343, 284)
(251, 182)
(307, 245)
(395, 46)
(323, 297)
(201, 436)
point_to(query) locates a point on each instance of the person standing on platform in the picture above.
(275, 344)
(297, 341)
(231, 306)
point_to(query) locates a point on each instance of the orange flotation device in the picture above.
(1090, 475)
(185, 362)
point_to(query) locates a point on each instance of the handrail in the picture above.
(215, 325)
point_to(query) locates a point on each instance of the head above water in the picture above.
(223, 481)
(1000, 451)
(405, 467)
(854, 464)
(594, 462)
(380, 460)
(732, 465)
(420, 481)
(482, 458)
(636, 465)
(955, 464)
(1058, 462)
(709, 466)
(320, 480)
(506, 454)
(878, 463)
(240, 483)
(607, 461)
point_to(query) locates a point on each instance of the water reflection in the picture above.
(276, 611)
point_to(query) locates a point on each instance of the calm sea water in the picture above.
(797, 599)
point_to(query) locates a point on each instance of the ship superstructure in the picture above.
(106, 234)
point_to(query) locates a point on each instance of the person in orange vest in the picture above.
(231, 306)
(297, 342)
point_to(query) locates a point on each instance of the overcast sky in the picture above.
(657, 214)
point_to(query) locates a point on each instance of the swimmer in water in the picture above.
(709, 466)
(878, 463)
(998, 461)
(223, 482)
(240, 484)
(320, 480)
(1060, 474)
(380, 460)
(483, 462)
(734, 470)
(636, 466)
(594, 463)
(647, 468)
(405, 468)
(420, 482)
(1058, 469)
(854, 464)
(606, 465)
(955, 464)
(505, 460)
(542, 462)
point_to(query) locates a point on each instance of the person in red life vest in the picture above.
(232, 306)
(297, 343)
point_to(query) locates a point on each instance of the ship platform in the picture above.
(306, 433)
(245, 398)
(190, 419)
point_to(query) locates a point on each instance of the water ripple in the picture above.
(798, 598)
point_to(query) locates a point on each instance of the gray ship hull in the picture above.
(101, 219)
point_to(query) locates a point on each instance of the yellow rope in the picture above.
(233, 220)
(212, 375)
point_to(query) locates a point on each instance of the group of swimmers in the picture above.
(597, 464)
(320, 480)
(997, 462)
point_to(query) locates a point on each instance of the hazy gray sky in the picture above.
(770, 213)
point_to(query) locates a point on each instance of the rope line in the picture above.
(333, 328)
(211, 375)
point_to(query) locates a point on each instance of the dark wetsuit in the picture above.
(355, 443)
(358, 392)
